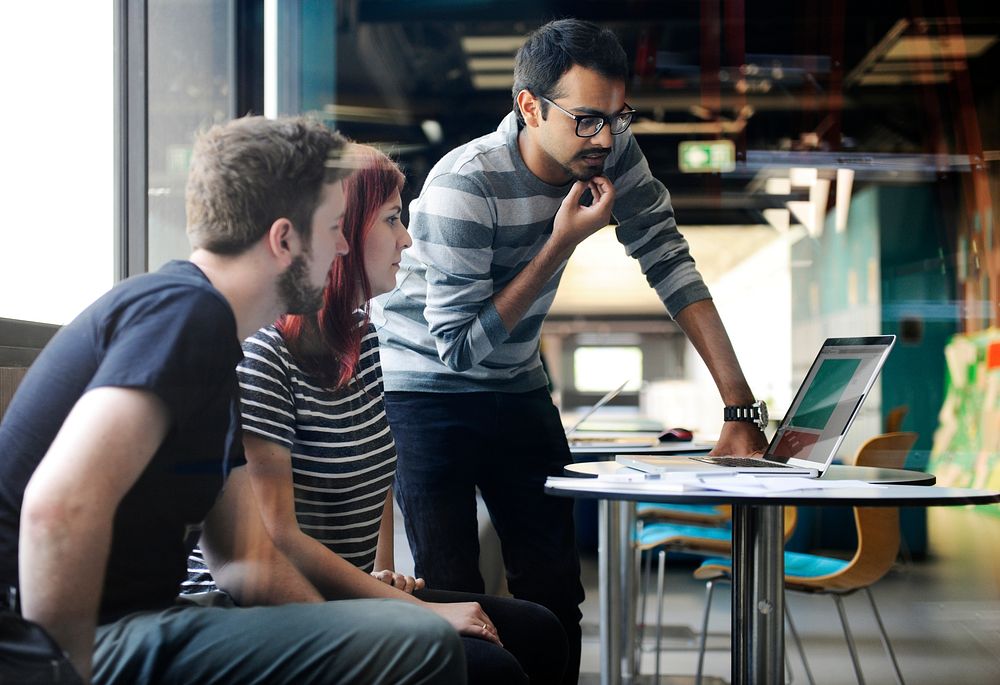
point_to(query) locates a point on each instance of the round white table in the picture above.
(758, 559)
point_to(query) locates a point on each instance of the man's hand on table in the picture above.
(739, 438)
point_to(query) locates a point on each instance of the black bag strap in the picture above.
(28, 654)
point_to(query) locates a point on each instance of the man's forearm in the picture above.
(701, 323)
(521, 292)
(63, 553)
(241, 555)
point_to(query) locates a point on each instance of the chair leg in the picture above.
(798, 645)
(850, 640)
(885, 637)
(640, 614)
(659, 611)
(646, 577)
(709, 589)
(788, 667)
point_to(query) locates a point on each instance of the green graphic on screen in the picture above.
(821, 398)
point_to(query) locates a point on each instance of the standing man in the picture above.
(493, 228)
(126, 429)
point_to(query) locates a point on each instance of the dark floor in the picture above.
(942, 615)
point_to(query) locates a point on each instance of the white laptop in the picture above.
(809, 435)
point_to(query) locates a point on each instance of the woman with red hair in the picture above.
(321, 456)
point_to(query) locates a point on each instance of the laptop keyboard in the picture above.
(743, 462)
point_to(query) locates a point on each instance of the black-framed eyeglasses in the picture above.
(589, 125)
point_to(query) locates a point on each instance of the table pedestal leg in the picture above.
(758, 594)
(627, 570)
(610, 578)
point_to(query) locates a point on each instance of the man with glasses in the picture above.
(493, 228)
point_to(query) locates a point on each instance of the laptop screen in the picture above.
(829, 398)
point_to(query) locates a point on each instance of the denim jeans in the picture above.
(506, 444)
(363, 641)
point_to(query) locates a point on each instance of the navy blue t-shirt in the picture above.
(173, 334)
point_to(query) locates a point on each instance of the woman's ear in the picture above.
(529, 106)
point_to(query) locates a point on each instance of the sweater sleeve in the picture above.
(452, 225)
(647, 229)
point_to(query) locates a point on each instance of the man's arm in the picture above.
(701, 323)
(68, 511)
(452, 227)
(573, 224)
(241, 555)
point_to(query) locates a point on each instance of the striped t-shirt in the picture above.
(343, 456)
(481, 217)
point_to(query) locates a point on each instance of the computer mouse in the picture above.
(676, 435)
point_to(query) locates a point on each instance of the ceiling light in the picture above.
(492, 81)
(780, 219)
(505, 64)
(432, 129)
(845, 181)
(778, 186)
(478, 45)
(802, 177)
(939, 47)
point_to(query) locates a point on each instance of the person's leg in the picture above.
(529, 632)
(536, 530)
(490, 664)
(354, 641)
(437, 436)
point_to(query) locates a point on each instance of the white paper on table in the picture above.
(602, 484)
(749, 484)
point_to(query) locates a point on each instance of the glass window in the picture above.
(190, 88)
(58, 114)
(599, 369)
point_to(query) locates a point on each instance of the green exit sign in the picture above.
(706, 156)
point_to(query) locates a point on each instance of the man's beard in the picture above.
(583, 171)
(297, 293)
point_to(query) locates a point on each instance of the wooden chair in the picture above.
(878, 544)
(701, 514)
(894, 419)
(887, 451)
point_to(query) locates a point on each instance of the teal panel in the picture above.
(319, 54)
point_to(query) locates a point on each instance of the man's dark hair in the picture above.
(248, 173)
(555, 48)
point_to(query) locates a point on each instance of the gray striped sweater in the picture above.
(480, 218)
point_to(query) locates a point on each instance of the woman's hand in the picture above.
(468, 618)
(399, 581)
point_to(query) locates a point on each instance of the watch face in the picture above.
(762, 408)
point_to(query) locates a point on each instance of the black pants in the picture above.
(534, 643)
(506, 444)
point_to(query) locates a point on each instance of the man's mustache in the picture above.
(594, 151)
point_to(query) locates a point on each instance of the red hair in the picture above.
(327, 344)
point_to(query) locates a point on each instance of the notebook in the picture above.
(812, 430)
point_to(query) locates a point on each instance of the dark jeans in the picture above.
(534, 643)
(506, 444)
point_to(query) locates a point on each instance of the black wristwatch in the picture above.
(755, 413)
